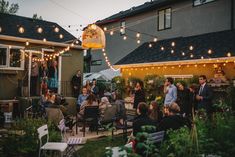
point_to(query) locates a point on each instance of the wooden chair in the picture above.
(56, 146)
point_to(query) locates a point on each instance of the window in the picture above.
(123, 26)
(200, 2)
(164, 19)
(96, 62)
(3, 56)
(11, 58)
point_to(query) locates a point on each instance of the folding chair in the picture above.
(71, 141)
(57, 146)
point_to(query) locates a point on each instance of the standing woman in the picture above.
(139, 94)
(53, 77)
(43, 73)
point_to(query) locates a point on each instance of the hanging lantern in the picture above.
(93, 37)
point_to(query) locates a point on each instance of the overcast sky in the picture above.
(74, 12)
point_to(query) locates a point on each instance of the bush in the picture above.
(23, 137)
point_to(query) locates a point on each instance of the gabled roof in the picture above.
(11, 23)
(220, 43)
(146, 7)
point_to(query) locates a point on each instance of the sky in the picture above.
(76, 13)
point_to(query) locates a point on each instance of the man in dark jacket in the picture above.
(139, 94)
(204, 96)
(76, 84)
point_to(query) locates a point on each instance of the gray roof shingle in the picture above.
(11, 23)
(219, 42)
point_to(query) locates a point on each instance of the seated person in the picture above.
(174, 120)
(142, 119)
(90, 101)
(154, 112)
(104, 104)
(81, 98)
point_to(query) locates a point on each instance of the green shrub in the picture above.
(23, 137)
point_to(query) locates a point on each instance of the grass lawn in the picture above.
(96, 147)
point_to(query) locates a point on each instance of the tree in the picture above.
(35, 16)
(5, 7)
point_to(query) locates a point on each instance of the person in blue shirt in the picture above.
(170, 92)
(82, 97)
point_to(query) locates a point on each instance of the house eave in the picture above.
(34, 41)
(181, 62)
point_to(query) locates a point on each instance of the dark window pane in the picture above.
(3, 56)
(161, 20)
(15, 57)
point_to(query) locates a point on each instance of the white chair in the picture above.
(57, 146)
(71, 141)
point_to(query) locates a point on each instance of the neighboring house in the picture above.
(22, 37)
(179, 21)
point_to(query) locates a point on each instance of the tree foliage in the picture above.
(35, 16)
(6, 7)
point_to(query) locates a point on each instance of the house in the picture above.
(170, 35)
(23, 40)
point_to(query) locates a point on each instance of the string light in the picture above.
(138, 41)
(173, 44)
(121, 30)
(40, 30)
(76, 41)
(72, 45)
(172, 51)
(183, 53)
(150, 45)
(56, 29)
(61, 36)
(138, 35)
(209, 51)
(103, 50)
(202, 57)
(229, 54)
(204, 65)
(124, 37)
(154, 39)
(191, 48)
(21, 30)
(105, 28)
(111, 32)
(162, 48)
(9, 46)
(27, 43)
(0, 29)
(44, 40)
(191, 55)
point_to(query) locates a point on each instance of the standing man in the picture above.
(170, 92)
(204, 95)
(76, 83)
(139, 94)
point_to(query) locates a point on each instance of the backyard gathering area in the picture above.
(155, 80)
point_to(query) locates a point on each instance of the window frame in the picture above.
(164, 19)
(202, 3)
(22, 54)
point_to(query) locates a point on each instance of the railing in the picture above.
(66, 88)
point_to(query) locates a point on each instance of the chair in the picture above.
(71, 141)
(58, 146)
(91, 115)
(109, 117)
(128, 116)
